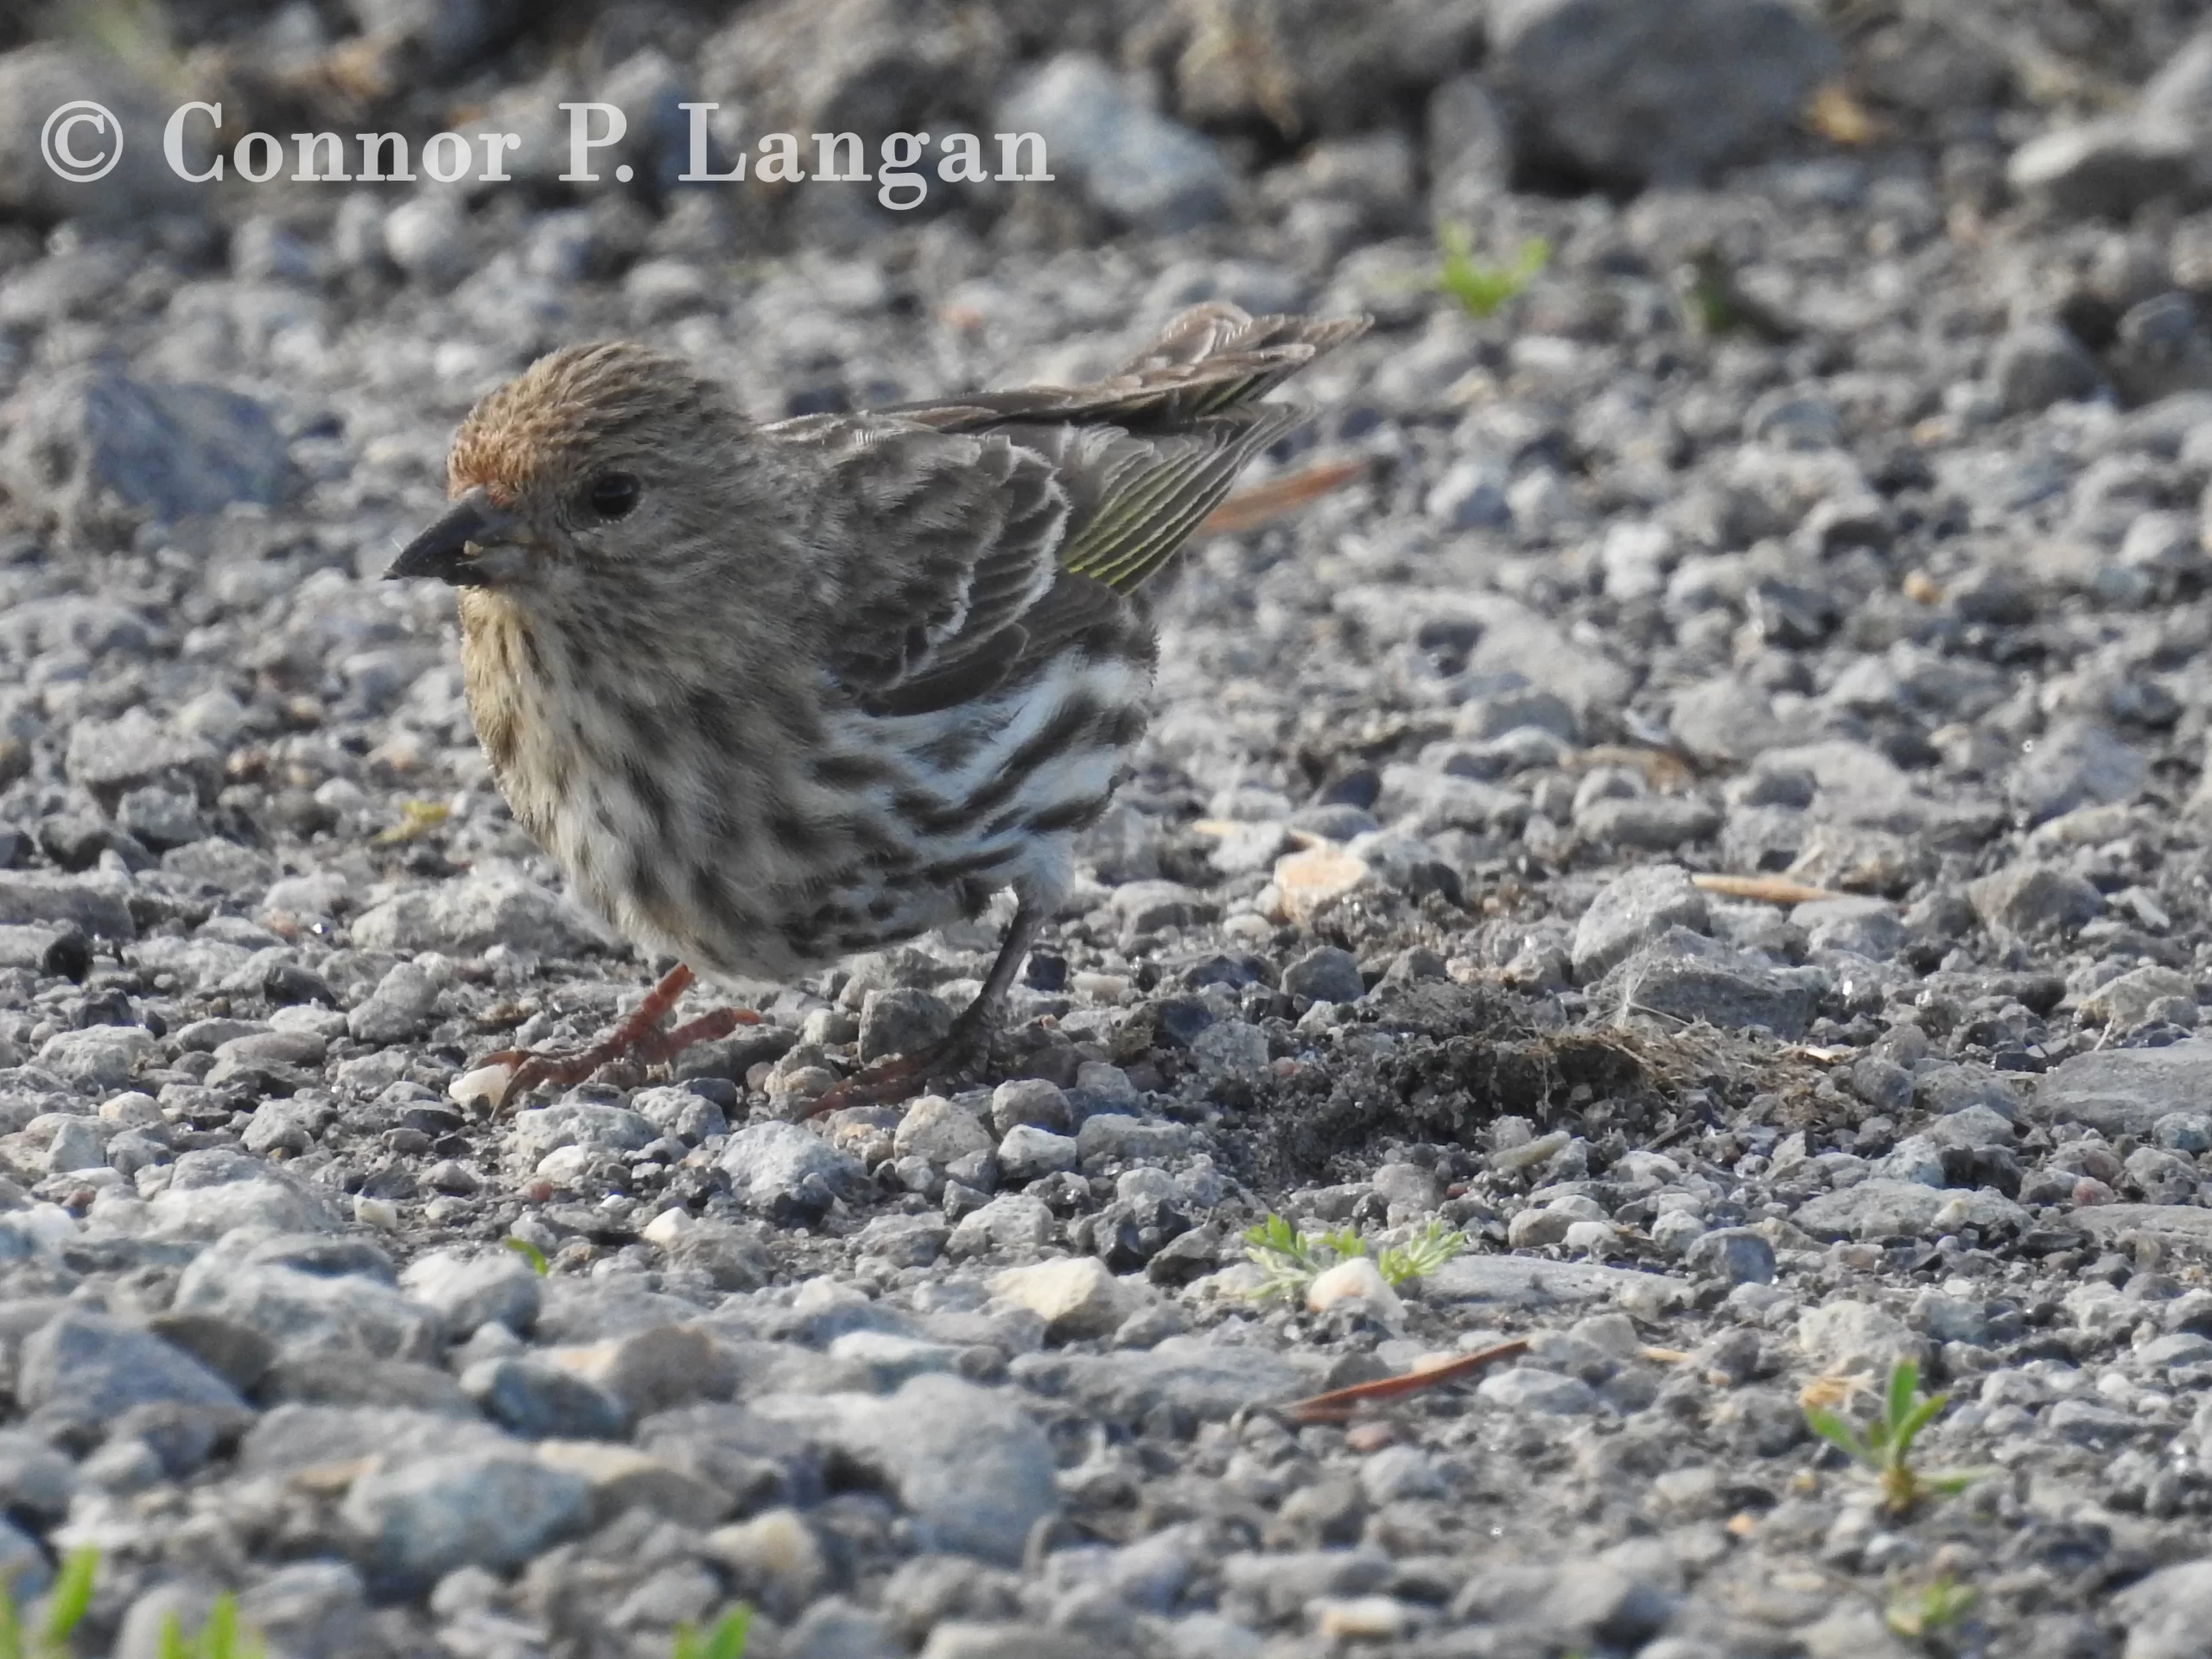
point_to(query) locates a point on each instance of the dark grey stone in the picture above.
(99, 1368)
(1135, 164)
(1326, 975)
(97, 446)
(417, 1520)
(539, 1400)
(1735, 1253)
(1638, 94)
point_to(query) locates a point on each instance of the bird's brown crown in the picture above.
(578, 403)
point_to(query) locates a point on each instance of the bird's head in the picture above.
(587, 467)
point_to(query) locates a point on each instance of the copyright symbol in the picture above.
(56, 141)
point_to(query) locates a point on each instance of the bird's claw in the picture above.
(637, 1037)
(960, 1059)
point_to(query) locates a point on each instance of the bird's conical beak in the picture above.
(442, 551)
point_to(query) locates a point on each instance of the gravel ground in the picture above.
(1715, 815)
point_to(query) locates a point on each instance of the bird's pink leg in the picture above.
(636, 1035)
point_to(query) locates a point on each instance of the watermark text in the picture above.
(83, 141)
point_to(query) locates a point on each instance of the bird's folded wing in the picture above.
(975, 558)
(945, 544)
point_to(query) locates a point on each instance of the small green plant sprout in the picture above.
(529, 1252)
(1929, 1612)
(725, 1640)
(1421, 1254)
(65, 1610)
(1480, 287)
(1292, 1260)
(220, 1637)
(1885, 1446)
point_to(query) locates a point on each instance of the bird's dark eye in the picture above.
(610, 495)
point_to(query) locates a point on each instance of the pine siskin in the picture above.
(773, 695)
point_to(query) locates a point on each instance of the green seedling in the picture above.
(1292, 1260)
(529, 1252)
(1885, 1446)
(1481, 288)
(725, 1640)
(1928, 1613)
(220, 1637)
(1421, 1254)
(65, 1610)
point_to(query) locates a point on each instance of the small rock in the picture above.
(1307, 882)
(1028, 1153)
(1324, 974)
(2029, 898)
(782, 1170)
(1621, 91)
(99, 449)
(1684, 978)
(941, 1131)
(398, 1010)
(2039, 364)
(2125, 1001)
(1114, 1137)
(1636, 906)
(1471, 496)
(1855, 1337)
(1075, 1296)
(1735, 1255)
(1030, 1101)
(1355, 1279)
(1011, 1222)
(99, 1368)
(2166, 1614)
(467, 917)
(495, 1509)
(1134, 164)
(1152, 907)
(904, 1020)
(1882, 1207)
(537, 1400)
(622, 1477)
(1531, 1389)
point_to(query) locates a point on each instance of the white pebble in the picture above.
(377, 1212)
(1355, 1279)
(487, 1084)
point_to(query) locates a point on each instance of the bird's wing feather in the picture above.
(988, 531)
(1210, 358)
(1137, 499)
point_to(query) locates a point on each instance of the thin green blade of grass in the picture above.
(1903, 1389)
(71, 1595)
(1841, 1435)
(1917, 1419)
(728, 1639)
(529, 1252)
(1949, 1483)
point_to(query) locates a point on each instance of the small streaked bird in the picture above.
(775, 695)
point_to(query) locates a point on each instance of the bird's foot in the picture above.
(960, 1059)
(639, 1036)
